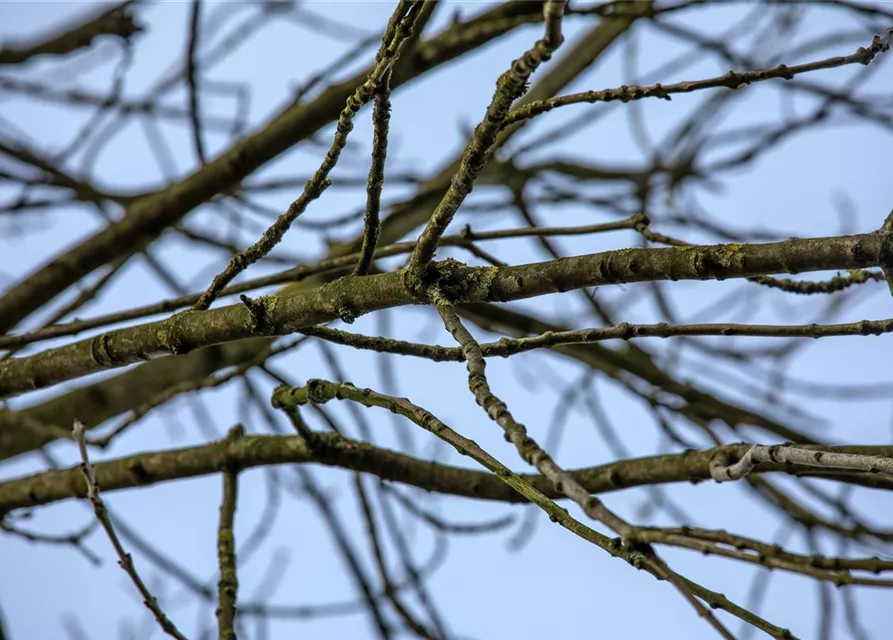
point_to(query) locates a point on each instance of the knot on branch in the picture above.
(455, 281)
(719, 464)
(317, 392)
(321, 391)
(641, 222)
(882, 43)
(177, 326)
(260, 313)
(343, 307)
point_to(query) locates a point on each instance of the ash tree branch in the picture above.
(731, 80)
(539, 458)
(506, 347)
(352, 296)
(96, 403)
(515, 432)
(146, 469)
(453, 282)
(407, 216)
(322, 391)
(836, 284)
(722, 471)
(287, 128)
(192, 81)
(723, 544)
(381, 117)
(299, 273)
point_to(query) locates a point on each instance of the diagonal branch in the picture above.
(399, 30)
(149, 216)
(294, 124)
(117, 21)
(510, 86)
(125, 560)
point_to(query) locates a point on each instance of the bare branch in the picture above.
(124, 558)
(722, 471)
(354, 296)
(117, 21)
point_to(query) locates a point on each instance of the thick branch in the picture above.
(353, 296)
(332, 450)
(96, 403)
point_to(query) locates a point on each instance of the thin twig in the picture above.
(321, 391)
(381, 116)
(125, 561)
(192, 81)
(506, 347)
(511, 85)
(228, 583)
(730, 80)
(320, 181)
(536, 456)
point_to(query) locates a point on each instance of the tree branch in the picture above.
(149, 216)
(332, 450)
(117, 21)
(350, 297)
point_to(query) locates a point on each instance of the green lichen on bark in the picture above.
(261, 311)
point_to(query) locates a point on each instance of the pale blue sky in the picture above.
(557, 584)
